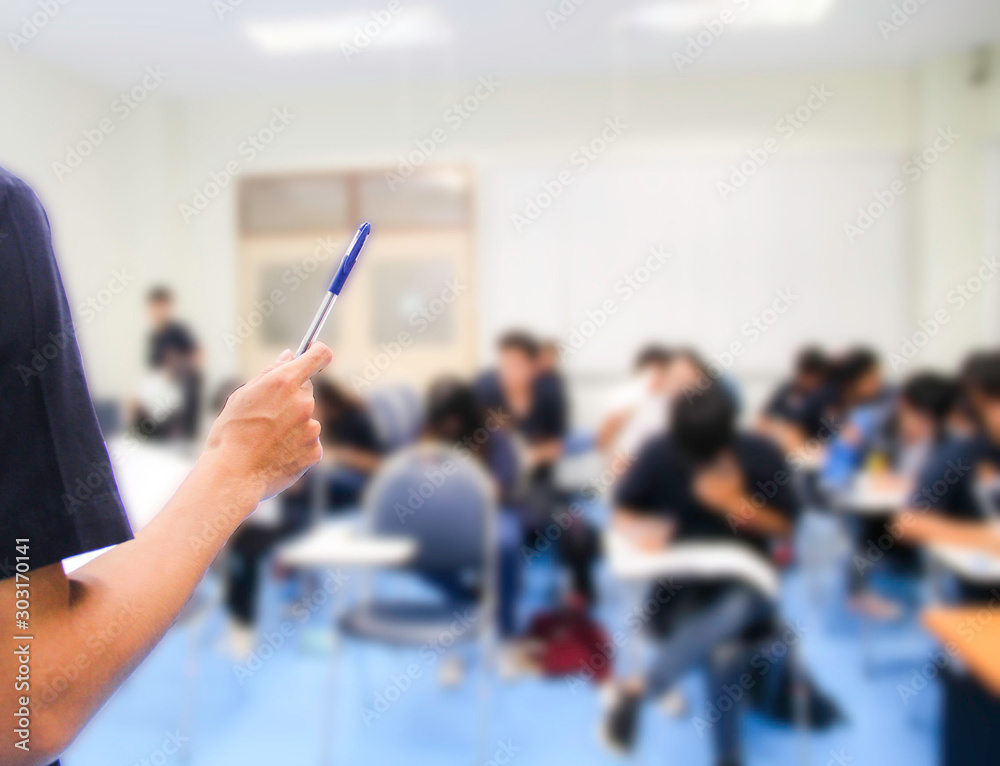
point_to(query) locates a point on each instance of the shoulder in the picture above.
(755, 450)
(18, 201)
(657, 449)
(956, 451)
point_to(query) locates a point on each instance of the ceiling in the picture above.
(208, 48)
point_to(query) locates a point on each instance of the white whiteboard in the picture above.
(782, 230)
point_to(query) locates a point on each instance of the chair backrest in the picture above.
(396, 413)
(439, 498)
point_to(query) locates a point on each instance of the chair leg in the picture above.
(330, 692)
(800, 701)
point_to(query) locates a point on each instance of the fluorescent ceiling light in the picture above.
(685, 15)
(406, 28)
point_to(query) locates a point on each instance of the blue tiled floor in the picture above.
(278, 715)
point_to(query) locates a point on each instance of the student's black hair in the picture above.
(854, 365)
(452, 414)
(811, 360)
(931, 394)
(652, 354)
(160, 294)
(704, 424)
(519, 340)
(984, 374)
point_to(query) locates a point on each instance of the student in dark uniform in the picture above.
(956, 498)
(531, 403)
(703, 481)
(797, 410)
(58, 496)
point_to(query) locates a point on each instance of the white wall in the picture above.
(108, 214)
(121, 209)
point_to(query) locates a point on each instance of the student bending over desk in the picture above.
(702, 481)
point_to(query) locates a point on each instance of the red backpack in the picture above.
(571, 643)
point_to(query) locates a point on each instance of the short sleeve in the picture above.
(944, 484)
(773, 478)
(57, 489)
(637, 489)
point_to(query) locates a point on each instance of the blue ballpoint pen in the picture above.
(350, 258)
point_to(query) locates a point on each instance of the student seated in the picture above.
(639, 410)
(795, 412)
(702, 482)
(920, 425)
(865, 405)
(453, 418)
(351, 448)
(528, 399)
(350, 454)
(956, 499)
(531, 404)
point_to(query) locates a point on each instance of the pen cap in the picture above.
(350, 259)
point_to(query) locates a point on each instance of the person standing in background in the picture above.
(174, 354)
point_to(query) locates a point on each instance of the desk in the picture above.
(970, 564)
(695, 560)
(872, 498)
(971, 703)
(341, 542)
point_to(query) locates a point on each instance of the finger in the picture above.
(283, 357)
(312, 361)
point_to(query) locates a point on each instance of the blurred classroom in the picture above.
(664, 416)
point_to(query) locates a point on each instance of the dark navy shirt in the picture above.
(962, 480)
(57, 490)
(661, 482)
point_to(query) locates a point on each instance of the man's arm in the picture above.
(924, 527)
(722, 489)
(263, 440)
